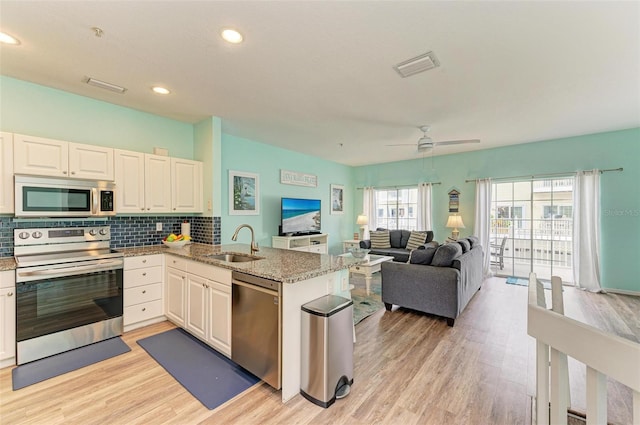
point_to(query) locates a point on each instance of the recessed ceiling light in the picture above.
(232, 36)
(160, 90)
(8, 39)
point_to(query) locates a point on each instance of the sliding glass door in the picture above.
(534, 220)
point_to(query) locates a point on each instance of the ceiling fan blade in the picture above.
(402, 144)
(456, 142)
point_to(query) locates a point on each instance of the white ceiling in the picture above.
(317, 77)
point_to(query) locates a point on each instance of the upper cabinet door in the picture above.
(40, 156)
(129, 176)
(186, 185)
(6, 172)
(157, 183)
(90, 162)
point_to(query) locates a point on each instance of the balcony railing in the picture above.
(603, 354)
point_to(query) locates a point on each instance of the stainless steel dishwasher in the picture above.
(256, 331)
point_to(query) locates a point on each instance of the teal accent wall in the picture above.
(36, 110)
(245, 155)
(620, 195)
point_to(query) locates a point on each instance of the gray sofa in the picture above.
(398, 240)
(443, 290)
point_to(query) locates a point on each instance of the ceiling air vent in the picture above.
(418, 64)
(105, 85)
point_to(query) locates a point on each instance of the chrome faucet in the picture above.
(254, 245)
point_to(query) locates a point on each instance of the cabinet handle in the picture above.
(64, 172)
(144, 292)
(144, 274)
(142, 209)
(175, 209)
(144, 308)
(144, 261)
(148, 209)
(10, 294)
(73, 172)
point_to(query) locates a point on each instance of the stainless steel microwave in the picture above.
(53, 197)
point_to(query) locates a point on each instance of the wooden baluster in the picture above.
(596, 397)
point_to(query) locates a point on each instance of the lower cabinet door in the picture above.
(175, 296)
(197, 306)
(219, 335)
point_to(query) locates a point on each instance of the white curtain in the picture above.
(369, 209)
(424, 207)
(482, 223)
(586, 230)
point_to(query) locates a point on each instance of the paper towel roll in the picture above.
(185, 229)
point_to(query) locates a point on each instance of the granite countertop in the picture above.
(282, 265)
(7, 263)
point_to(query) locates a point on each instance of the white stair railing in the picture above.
(604, 354)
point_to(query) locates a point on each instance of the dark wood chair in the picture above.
(497, 253)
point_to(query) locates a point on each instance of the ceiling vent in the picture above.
(418, 64)
(105, 85)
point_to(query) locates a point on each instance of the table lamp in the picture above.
(454, 222)
(362, 221)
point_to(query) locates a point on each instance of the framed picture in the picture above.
(244, 193)
(337, 199)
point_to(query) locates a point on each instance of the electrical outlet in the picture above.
(158, 227)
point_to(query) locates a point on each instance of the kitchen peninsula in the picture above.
(304, 276)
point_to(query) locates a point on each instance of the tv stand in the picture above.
(318, 242)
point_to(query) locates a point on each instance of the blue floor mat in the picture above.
(208, 375)
(40, 370)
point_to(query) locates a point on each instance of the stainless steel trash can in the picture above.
(326, 349)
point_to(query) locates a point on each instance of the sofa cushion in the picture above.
(380, 239)
(399, 254)
(473, 240)
(416, 239)
(465, 245)
(422, 256)
(445, 254)
(395, 236)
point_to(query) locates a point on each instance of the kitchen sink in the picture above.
(233, 258)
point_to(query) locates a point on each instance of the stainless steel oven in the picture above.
(68, 290)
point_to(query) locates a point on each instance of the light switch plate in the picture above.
(158, 227)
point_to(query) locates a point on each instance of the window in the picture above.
(396, 208)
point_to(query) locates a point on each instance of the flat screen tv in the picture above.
(300, 216)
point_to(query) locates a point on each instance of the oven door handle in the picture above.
(94, 201)
(70, 271)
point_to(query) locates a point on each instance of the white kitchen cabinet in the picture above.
(157, 183)
(143, 291)
(197, 304)
(186, 185)
(7, 319)
(309, 243)
(201, 295)
(57, 158)
(219, 323)
(129, 176)
(6, 173)
(175, 290)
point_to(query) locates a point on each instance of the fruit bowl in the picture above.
(359, 252)
(176, 244)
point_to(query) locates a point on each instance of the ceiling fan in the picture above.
(425, 142)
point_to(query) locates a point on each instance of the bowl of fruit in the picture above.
(176, 241)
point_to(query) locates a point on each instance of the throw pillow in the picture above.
(380, 239)
(465, 245)
(473, 240)
(416, 239)
(445, 255)
(422, 256)
(395, 238)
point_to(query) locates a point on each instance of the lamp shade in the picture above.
(362, 220)
(455, 221)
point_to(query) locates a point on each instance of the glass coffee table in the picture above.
(369, 267)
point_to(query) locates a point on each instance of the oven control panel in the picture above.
(53, 235)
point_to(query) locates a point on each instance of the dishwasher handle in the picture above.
(244, 279)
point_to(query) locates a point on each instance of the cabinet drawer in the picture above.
(319, 248)
(142, 294)
(7, 279)
(145, 276)
(139, 312)
(131, 263)
(207, 271)
(177, 262)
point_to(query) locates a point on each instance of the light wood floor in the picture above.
(410, 368)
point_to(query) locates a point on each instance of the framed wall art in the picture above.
(337, 199)
(244, 193)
